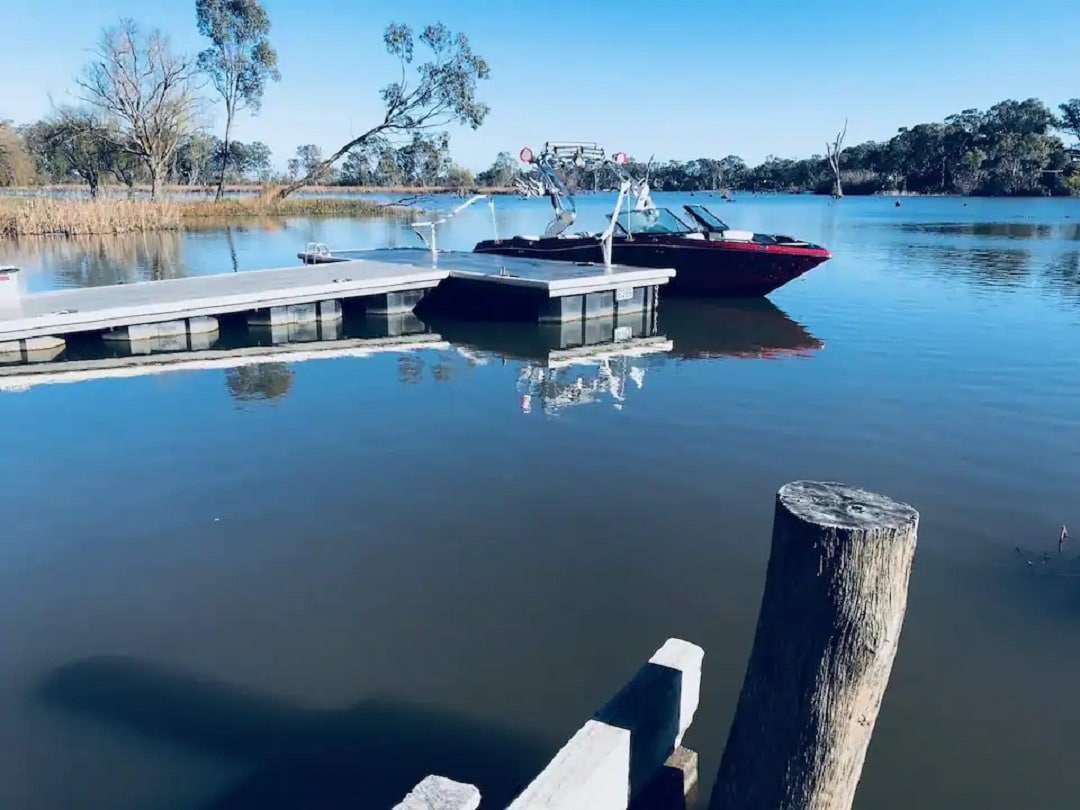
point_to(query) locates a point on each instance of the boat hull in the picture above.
(703, 267)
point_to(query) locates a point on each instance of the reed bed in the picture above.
(33, 216)
(41, 215)
(268, 206)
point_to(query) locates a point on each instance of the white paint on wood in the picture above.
(440, 793)
(615, 754)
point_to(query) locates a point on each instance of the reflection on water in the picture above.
(997, 266)
(1008, 230)
(95, 261)
(564, 364)
(260, 381)
(219, 559)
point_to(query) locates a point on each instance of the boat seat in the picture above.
(738, 236)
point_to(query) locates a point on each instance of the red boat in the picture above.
(709, 257)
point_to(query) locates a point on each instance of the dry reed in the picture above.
(28, 216)
(41, 215)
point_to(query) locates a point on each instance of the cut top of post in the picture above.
(827, 503)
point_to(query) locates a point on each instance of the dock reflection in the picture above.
(597, 360)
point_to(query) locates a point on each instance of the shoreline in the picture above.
(112, 190)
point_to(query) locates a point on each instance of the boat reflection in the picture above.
(750, 328)
(596, 360)
(603, 359)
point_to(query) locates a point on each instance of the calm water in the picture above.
(444, 560)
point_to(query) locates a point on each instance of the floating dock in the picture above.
(384, 283)
(490, 287)
(269, 293)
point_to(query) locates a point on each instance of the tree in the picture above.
(502, 172)
(243, 160)
(832, 152)
(439, 92)
(252, 160)
(1070, 117)
(458, 177)
(193, 158)
(145, 91)
(75, 142)
(239, 61)
(17, 167)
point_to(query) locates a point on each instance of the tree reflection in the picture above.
(259, 382)
(410, 369)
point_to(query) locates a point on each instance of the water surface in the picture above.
(310, 583)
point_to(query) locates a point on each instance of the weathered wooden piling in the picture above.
(831, 613)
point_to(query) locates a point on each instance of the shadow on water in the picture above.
(366, 756)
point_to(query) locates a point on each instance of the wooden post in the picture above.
(834, 601)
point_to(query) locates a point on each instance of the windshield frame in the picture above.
(705, 217)
(667, 218)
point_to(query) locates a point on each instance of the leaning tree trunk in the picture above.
(834, 602)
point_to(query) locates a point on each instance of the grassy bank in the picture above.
(40, 215)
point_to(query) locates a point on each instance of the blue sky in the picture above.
(678, 80)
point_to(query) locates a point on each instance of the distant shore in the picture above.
(114, 190)
(37, 212)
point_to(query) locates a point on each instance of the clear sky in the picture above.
(675, 79)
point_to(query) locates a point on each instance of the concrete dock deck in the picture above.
(558, 279)
(63, 312)
(492, 287)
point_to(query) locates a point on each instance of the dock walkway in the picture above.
(87, 309)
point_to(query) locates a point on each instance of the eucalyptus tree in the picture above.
(429, 95)
(1070, 117)
(239, 61)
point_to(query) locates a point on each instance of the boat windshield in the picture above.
(706, 217)
(651, 220)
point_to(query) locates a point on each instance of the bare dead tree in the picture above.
(832, 150)
(430, 95)
(145, 90)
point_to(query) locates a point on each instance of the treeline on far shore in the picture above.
(1016, 148)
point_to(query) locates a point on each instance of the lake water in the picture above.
(311, 592)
